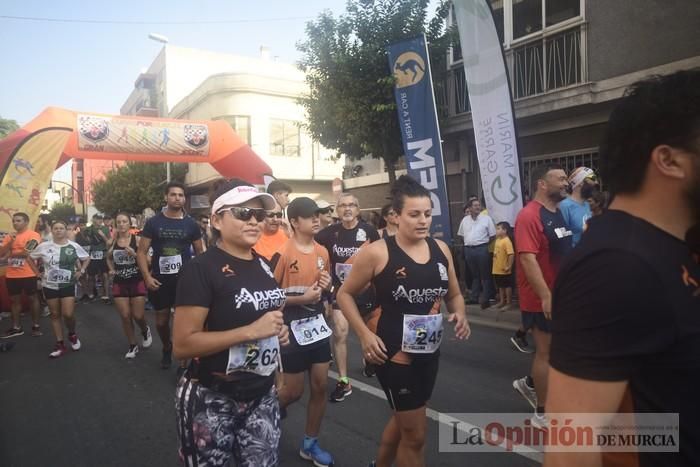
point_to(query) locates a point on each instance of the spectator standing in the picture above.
(477, 230)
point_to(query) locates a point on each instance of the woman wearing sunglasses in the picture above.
(228, 319)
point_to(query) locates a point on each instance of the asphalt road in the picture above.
(93, 407)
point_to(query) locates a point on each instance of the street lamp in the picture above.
(163, 40)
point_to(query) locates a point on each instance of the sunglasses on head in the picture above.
(278, 215)
(327, 210)
(245, 214)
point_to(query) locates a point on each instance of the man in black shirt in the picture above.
(626, 304)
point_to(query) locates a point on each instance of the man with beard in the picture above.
(170, 233)
(542, 240)
(576, 208)
(626, 307)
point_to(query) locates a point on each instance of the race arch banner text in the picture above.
(100, 133)
(417, 114)
(491, 108)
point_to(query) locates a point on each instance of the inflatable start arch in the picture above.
(30, 155)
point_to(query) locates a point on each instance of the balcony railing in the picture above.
(537, 67)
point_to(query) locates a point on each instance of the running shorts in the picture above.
(64, 292)
(164, 297)
(15, 286)
(408, 387)
(213, 428)
(129, 289)
(503, 281)
(301, 360)
(533, 319)
(97, 266)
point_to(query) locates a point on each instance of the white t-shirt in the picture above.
(476, 232)
(60, 263)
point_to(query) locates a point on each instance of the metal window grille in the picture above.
(568, 161)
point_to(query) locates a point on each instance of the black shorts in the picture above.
(503, 281)
(301, 360)
(164, 297)
(97, 266)
(408, 387)
(15, 286)
(535, 320)
(64, 292)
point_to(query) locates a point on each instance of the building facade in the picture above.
(257, 96)
(569, 62)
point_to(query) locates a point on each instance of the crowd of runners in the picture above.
(264, 291)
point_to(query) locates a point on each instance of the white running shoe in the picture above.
(147, 338)
(133, 350)
(527, 392)
(539, 421)
(74, 341)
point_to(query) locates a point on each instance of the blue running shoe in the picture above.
(315, 454)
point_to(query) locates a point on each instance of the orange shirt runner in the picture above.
(268, 245)
(18, 266)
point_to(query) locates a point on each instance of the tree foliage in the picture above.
(62, 211)
(133, 187)
(7, 127)
(350, 106)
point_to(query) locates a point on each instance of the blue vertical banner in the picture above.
(415, 105)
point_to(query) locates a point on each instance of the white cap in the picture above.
(240, 195)
(579, 175)
(323, 204)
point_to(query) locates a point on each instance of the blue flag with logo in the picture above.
(415, 104)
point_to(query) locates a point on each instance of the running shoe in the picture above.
(167, 360)
(5, 314)
(36, 331)
(369, 370)
(526, 391)
(133, 350)
(147, 338)
(45, 312)
(520, 343)
(6, 346)
(315, 454)
(106, 300)
(180, 371)
(539, 421)
(74, 341)
(341, 391)
(13, 332)
(372, 464)
(58, 351)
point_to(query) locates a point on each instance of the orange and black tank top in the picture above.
(407, 287)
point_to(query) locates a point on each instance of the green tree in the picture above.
(62, 211)
(350, 106)
(134, 187)
(7, 127)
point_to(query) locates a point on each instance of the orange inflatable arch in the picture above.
(30, 155)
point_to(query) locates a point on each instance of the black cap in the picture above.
(302, 207)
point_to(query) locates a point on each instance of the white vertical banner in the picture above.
(491, 108)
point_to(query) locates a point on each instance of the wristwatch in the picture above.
(82, 271)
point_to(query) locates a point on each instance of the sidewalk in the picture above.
(493, 317)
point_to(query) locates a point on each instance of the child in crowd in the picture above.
(503, 258)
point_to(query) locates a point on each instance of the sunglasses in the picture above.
(278, 215)
(325, 211)
(245, 214)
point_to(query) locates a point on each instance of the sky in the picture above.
(92, 67)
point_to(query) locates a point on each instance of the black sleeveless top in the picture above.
(124, 264)
(406, 287)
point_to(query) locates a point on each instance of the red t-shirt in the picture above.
(544, 233)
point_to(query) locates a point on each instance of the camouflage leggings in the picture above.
(213, 428)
